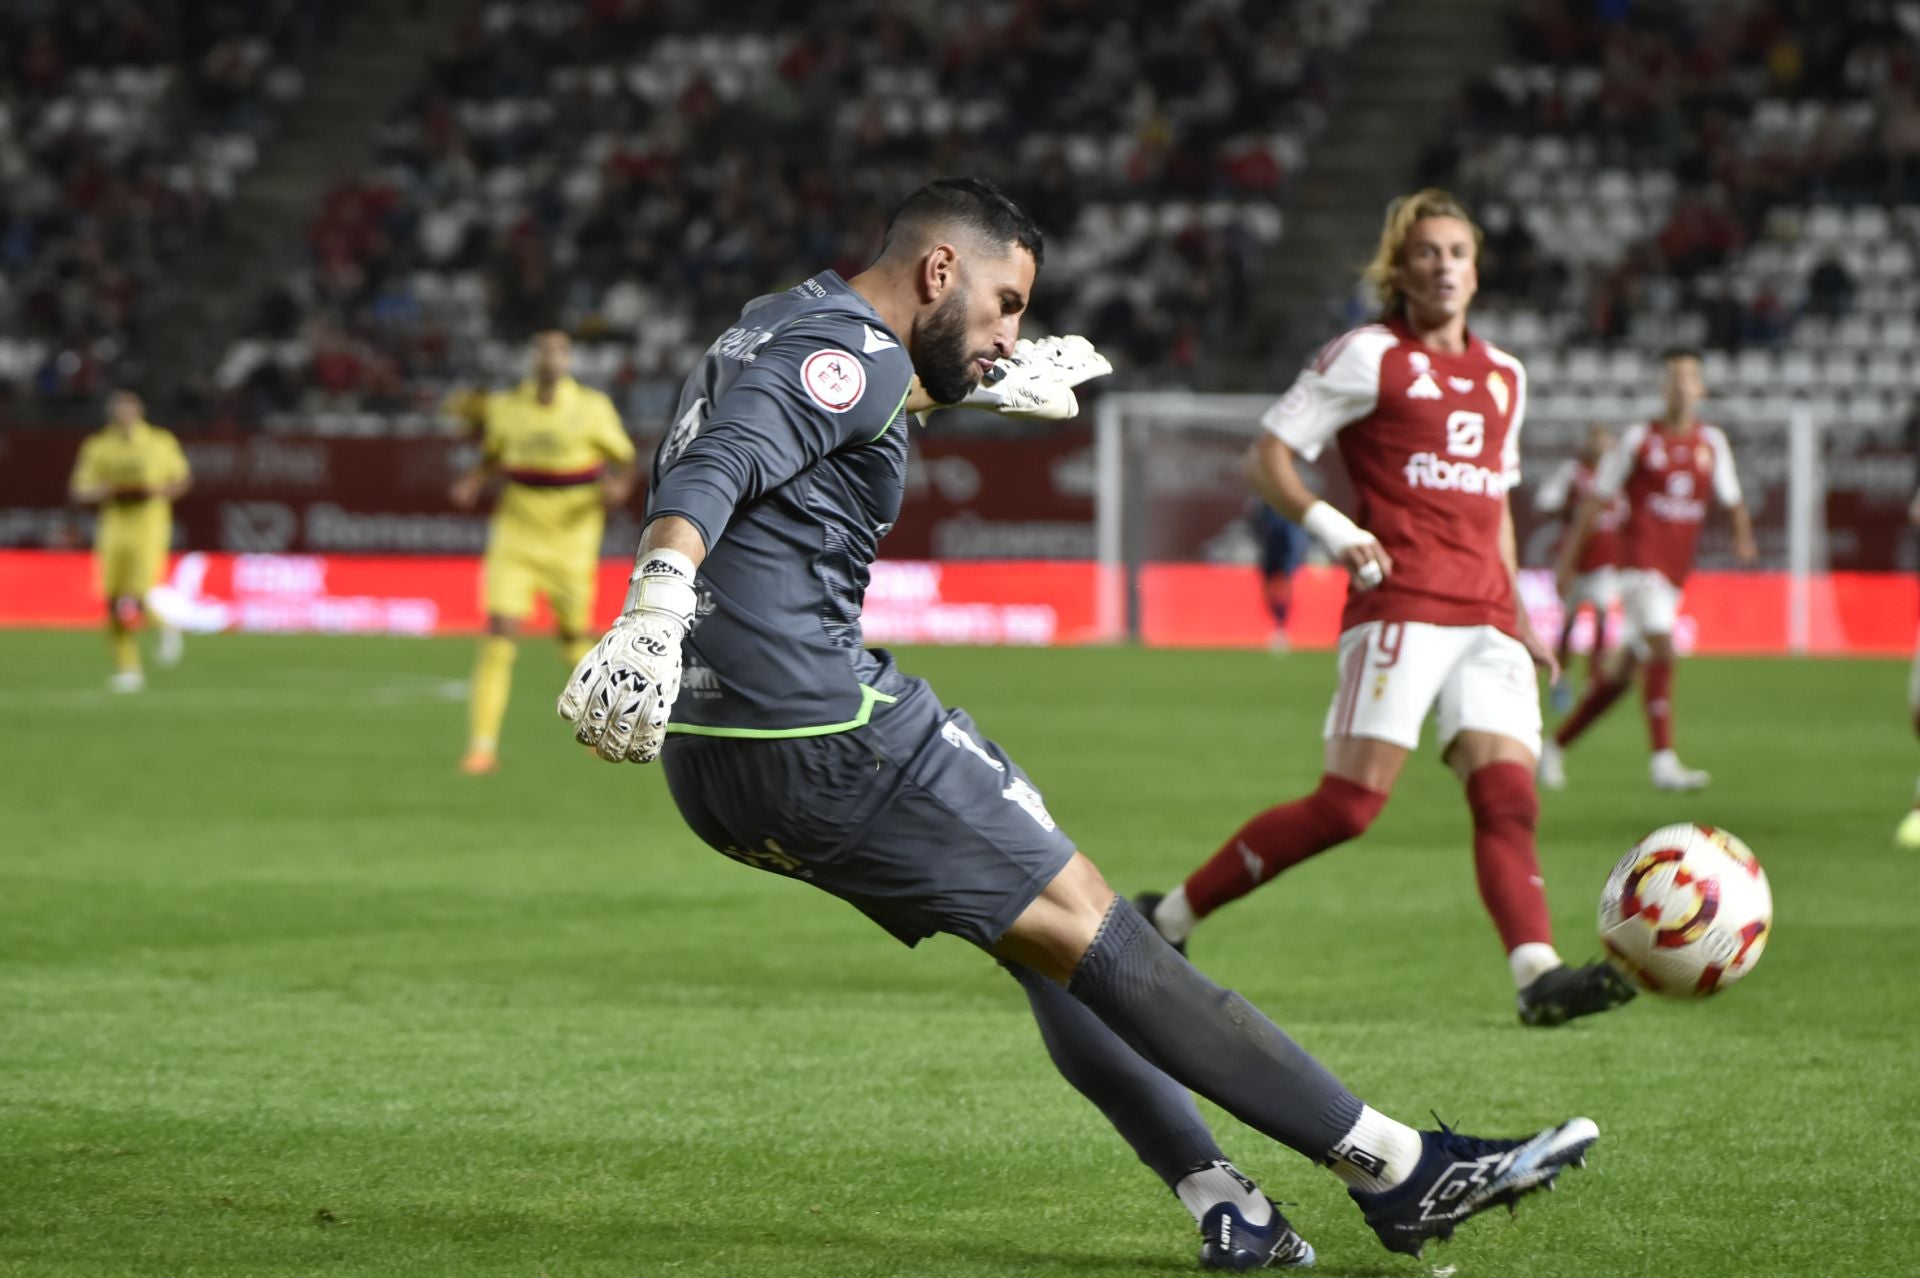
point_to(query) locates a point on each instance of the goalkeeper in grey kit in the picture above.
(790, 746)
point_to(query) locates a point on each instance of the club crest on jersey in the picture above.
(1424, 387)
(834, 379)
(1497, 387)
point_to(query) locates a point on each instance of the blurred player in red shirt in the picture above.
(1427, 419)
(1668, 470)
(1595, 584)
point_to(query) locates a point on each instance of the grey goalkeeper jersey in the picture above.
(789, 453)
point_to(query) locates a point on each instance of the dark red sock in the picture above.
(1280, 837)
(1601, 694)
(1596, 661)
(1506, 811)
(1564, 649)
(1657, 693)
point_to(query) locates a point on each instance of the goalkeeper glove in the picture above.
(621, 695)
(1037, 380)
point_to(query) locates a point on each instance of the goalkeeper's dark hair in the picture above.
(971, 205)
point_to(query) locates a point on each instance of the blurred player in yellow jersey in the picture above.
(133, 471)
(564, 460)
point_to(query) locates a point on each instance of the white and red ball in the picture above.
(1687, 911)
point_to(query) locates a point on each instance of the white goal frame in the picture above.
(1122, 419)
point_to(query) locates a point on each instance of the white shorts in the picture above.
(1392, 673)
(1649, 605)
(1599, 590)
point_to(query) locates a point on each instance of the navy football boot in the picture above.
(1462, 1176)
(1229, 1242)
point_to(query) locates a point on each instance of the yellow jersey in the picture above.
(552, 457)
(132, 467)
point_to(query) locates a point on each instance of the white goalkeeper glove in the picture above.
(1358, 550)
(1037, 380)
(621, 695)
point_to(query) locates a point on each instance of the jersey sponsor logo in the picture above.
(1466, 433)
(875, 341)
(1424, 387)
(1497, 387)
(1430, 470)
(834, 379)
(1678, 504)
(1461, 384)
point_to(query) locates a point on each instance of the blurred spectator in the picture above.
(124, 125)
(1643, 149)
(629, 171)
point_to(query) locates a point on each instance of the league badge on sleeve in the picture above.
(834, 379)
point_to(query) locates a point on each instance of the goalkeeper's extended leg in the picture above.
(1240, 1227)
(1411, 1185)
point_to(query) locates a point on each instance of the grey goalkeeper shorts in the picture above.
(916, 818)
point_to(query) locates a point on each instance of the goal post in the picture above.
(1170, 489)
(1167, 483)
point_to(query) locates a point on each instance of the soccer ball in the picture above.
(1687, 911)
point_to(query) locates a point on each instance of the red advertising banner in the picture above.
(1014, 602)
(1210, 606)
(968, 497)
(919, 601)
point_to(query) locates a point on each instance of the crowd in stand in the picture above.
(124, 126)
(633, 171)
(1726, 125)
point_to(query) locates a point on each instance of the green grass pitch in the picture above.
(280, 993)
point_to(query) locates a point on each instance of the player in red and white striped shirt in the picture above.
(1427, 419)
(1668, 470)
(1595, 584)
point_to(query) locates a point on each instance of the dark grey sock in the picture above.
(1209, 1039)
(1151, 1112)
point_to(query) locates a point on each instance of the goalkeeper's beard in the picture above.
(942, 359)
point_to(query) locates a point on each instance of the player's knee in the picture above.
(1055, 931)
(1503, 795)
(1345, 809)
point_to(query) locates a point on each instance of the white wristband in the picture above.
(1332, 529)
(662, 583)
